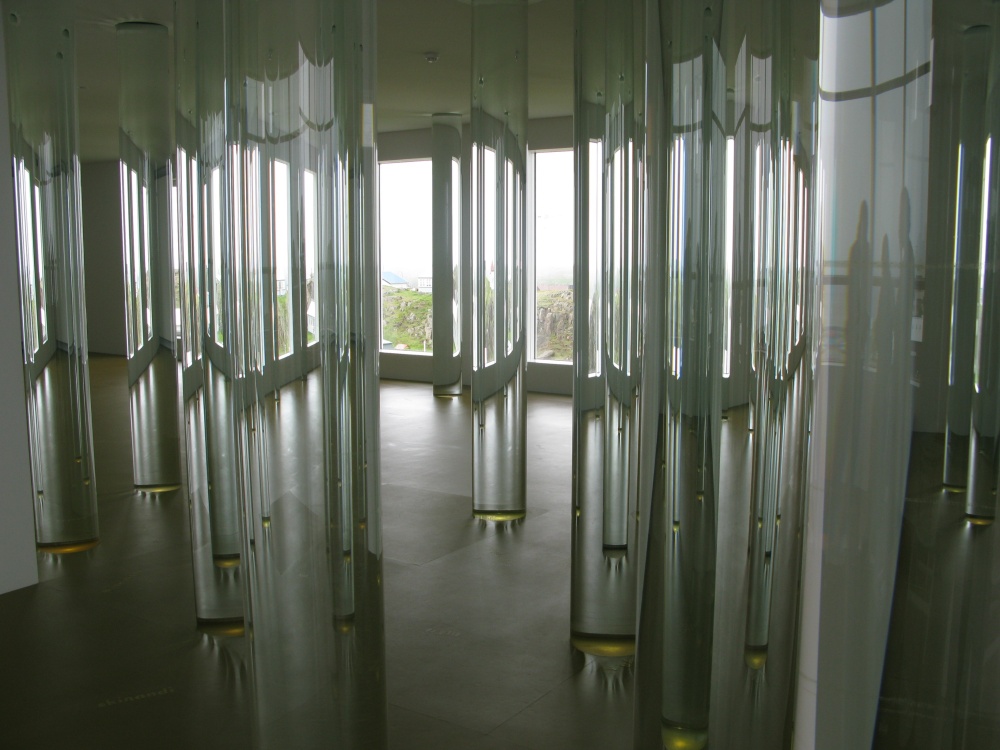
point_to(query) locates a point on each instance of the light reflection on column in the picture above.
(41, 67)
(150, 328)
(609, 143)
(446, 155)
(877, 110)
(499, 143)
(678, 587)
(984, 428)
(198, 216)
(305, 329)
(965, 278)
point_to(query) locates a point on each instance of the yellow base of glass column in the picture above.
(683, 738)
(603, 645)
(153, 489)
(226, 561)
(979, 520)
(499, 515)
(66, 548)
(234, 628)
(755, 656)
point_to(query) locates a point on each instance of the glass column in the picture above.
(686, 103)
(609, 145)
(151, 328)
(499, 135)
(197, 221)
(968, 221)
(984, 428)
(872, 238)
(42, 88)
(306, 335)
(446, 156)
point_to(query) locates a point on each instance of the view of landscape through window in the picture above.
(406, 239)
(554, 255)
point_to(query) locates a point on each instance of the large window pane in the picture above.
(282, 248)
(406, 239)
(309, 243)
(554, 255)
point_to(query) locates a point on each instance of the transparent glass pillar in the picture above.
(874, 125)
(984, 428)
(46, 169)
(197, 221)
(499, 135)
(965, 274)
(685, 271)
(305, 324)
(145, 145)
(609, 144)
(446, 157)
(776, 173)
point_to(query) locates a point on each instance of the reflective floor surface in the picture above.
(105, 651)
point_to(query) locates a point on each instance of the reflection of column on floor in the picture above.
(602, 610)
(319, 665)
(155, 434)
(65, 498)
(220, 490)
(218, 587)
(498, 457)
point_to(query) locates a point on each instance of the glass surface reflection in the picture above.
(499, 135)
(609, 138)
(984, 427)
(199, 221)
(42, 88)
(150, 270)
(302, 331)
(446, 146)
(965, 278)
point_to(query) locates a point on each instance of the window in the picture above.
(281, 248)
(309, 246)
(553, 250)
(406, 242)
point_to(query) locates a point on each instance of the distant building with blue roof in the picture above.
(394, 280)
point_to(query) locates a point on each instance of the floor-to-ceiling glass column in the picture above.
(499, 152)
(872, 235)
(446, 157)
(305, 312)
(609, 144)
(151, 330)
(197, 225)
(41, 67)
(686, 302)
(984, 429)
(971, 81)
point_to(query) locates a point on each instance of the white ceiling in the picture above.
(409, 88)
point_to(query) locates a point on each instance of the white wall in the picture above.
(18, 564)
(104, 268)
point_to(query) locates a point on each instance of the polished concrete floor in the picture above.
(105, 653)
